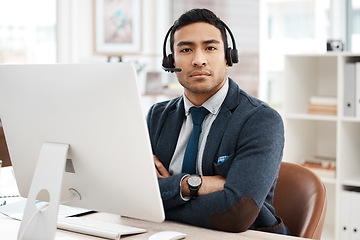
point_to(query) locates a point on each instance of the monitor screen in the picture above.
(97, 110)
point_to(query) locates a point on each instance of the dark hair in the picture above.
(198, 15)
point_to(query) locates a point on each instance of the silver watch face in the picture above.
(194, 181)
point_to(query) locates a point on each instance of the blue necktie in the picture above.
(189, 164)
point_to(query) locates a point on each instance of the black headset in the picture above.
(231, 54)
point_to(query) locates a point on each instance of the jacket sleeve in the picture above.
(169, 187)
(255, 162)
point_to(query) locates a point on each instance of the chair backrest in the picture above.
(4, 153)
(300, 200)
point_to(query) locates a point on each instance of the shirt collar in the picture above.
(213, 104)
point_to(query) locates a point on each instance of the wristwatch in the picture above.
(194, 182)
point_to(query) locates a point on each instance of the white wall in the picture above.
(76, 31)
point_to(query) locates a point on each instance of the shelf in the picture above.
(328, 232)
(305, 116)
(327, 54)
(328, 180)
(350, 119)
(353, 181)
(307, 135)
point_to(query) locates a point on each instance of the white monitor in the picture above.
(97, 110)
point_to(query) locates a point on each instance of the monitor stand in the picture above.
(47, 179)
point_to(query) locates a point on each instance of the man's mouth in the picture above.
(200, 74)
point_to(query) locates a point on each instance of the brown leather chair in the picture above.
(4, 153)
(300, 200)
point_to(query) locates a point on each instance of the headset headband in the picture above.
(231, 55)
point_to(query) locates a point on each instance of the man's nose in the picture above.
(199, 59)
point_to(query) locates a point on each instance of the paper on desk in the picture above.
(15, 205)
(15, 210)
(8, 186)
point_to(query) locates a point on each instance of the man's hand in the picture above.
(209, 184)
(161, 171)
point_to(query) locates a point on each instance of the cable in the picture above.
(73, 194)
(30, 220)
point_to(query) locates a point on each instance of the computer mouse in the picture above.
(167, 235)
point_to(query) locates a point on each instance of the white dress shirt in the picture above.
(213, 105)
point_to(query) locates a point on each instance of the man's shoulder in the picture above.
(245, 104)
(166, 106)
(244, 99)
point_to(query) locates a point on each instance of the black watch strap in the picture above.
(194, 192)
(194, 182)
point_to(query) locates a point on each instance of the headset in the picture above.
(231, 54)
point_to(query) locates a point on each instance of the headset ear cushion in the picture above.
(168, 62)
(234, 55)
(228, 57)
(171, 61)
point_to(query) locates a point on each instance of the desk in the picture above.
(9, 229)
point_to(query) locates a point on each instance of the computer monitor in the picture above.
(96, 109)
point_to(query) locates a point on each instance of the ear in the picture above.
(226, 64)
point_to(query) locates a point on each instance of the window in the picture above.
(291, 20)
(353, 22)
(289, 27)
(27, 31)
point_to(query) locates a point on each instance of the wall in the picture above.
(75, 30)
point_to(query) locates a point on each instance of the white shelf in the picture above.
(329, 180)
(305, 116)
(352, 181)
(328, 233)
(308, 135)
(350, 119)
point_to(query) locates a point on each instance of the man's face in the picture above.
(199, 52)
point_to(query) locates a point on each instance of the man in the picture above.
(230, 186)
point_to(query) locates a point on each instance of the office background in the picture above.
(63, 31)
(46, 31)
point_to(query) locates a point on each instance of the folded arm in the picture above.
(235, 205)
(209, 183)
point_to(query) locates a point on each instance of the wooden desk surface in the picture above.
(9, 227)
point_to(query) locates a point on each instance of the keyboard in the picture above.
(96, 228)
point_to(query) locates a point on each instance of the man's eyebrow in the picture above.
(188, 43)
(211, 41)
(184, 43)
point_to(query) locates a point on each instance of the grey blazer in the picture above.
(249, 135)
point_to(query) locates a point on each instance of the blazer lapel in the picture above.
(218, 129)
(170, 133)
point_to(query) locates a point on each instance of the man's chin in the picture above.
(199, 90)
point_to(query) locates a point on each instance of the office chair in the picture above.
(300, 200)
(4, 153)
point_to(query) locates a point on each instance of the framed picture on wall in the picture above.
(117, 27)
